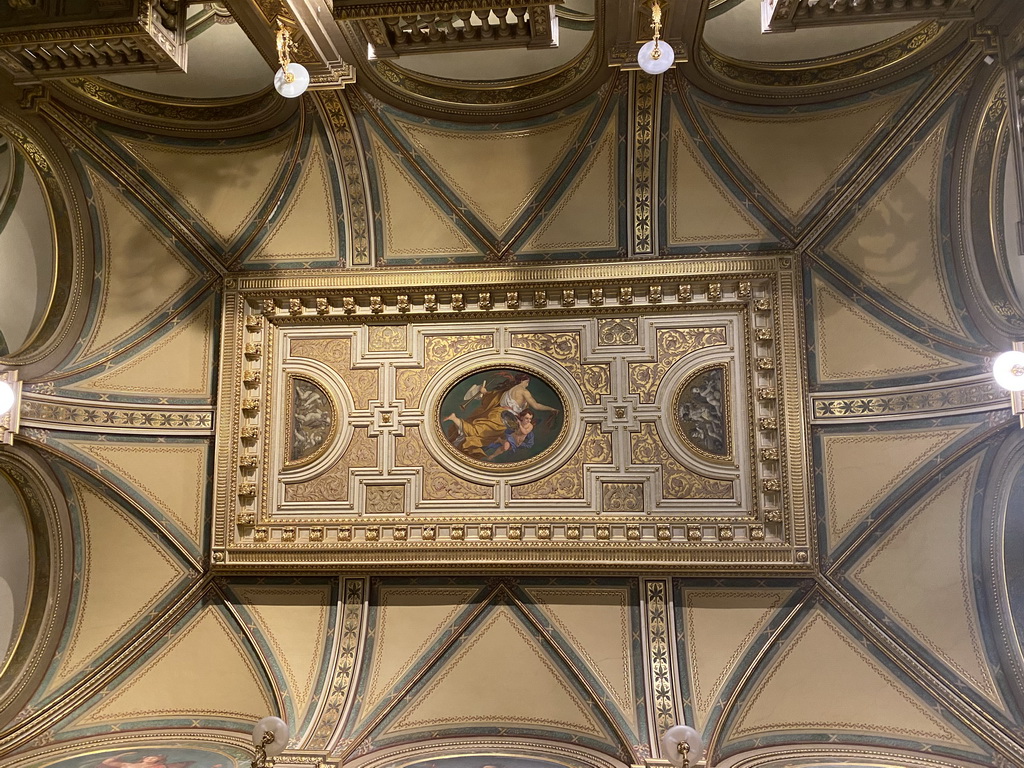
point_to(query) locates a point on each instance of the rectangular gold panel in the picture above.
(402, 418)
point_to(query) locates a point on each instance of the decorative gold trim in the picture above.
(833, 74)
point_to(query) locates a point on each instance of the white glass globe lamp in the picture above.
(6, 397)
(682, 746)
(270, 737)
(655, 56)
(1008, 370)
(291, 80)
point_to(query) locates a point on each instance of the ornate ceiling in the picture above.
(506, 405)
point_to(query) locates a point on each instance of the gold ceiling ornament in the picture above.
(1008, 371)
(655, 56)
(292, 79)
(10, 396)
(269, 738)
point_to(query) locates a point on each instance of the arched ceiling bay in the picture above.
(258, 274)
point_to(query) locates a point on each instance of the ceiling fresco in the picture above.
(504, 417)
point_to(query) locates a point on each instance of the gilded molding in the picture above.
(645, 94)
(979, 393)
(49, 412)
(358, 216)
(659, 660)
(619, 480)
(860, 69)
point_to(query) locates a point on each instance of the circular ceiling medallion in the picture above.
(501, 419)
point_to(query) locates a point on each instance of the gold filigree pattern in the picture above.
(564, 349)
(617, 331)
(385, 499)
(672, 345)
(337, 355)
(333, 485)
(567, 482)
(386, 338)
(350, 623)
(658, 653)
(438, 482)
(678, 482)
(622, 497)
(437, 351)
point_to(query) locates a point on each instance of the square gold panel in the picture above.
(397, 419)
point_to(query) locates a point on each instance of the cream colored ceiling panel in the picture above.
(860, 469)
(496, 173)
(795, 157)
(409, 621)
(293, 619)
(143, 273)
(585, 217)
(852, 345)
(222, 187)
(171, 475)
(893, 242)
(720, 625)
(501, 676)
(596, 622)
(920, 574)
(177, 364)
(701, 209)
(413, 224)
(202, 671)
(824, 680)
(308, 228)
(124, 574)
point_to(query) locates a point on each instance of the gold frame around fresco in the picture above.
(253, 530)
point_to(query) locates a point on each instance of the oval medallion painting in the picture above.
(501, 418)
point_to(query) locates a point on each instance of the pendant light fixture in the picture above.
(655, 56)
(292, 79)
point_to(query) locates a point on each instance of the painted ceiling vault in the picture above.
(495, 404)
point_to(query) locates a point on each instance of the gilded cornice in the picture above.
(827, 78)
(200, 118)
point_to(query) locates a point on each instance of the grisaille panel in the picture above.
(551, 415)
